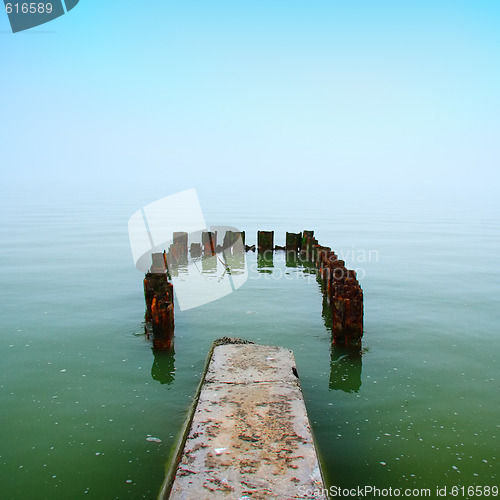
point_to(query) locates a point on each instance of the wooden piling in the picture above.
(180, 241)
(209, 242)
(293, 242)
(265, 241)
(231, 237)
(344, 293)
(158, 263)
(159, 297)
(307, 247)
(195, 250)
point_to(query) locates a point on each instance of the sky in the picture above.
(362, 99)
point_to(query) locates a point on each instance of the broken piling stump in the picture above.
(307, 246)
(180, 241)
(195, 250)
(158, 264)
(159, 297)
(249, 435)
(293, 242)
(265, 241)
(231, 237)
(209, 242)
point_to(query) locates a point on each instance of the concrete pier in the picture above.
(249, 434)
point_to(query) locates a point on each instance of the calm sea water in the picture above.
(81, 390)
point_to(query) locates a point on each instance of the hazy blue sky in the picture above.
(375, 97)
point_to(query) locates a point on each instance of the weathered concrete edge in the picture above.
(181, 442)
(183, 435)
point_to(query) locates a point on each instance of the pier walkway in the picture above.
(249, 435)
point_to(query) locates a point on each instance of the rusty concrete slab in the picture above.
(250, 436)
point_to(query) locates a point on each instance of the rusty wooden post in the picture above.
(346, 297)
(195, 250)
(159, 297)
(308, 242)
(293, 242)
(158, 263)
(265, 241)
(231, 237)
(228, 240)
(180, 241)
(305, 236)
(209, 242)
(341, 289)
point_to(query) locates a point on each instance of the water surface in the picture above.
(81, 390)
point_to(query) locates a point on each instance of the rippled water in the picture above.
(89, 409)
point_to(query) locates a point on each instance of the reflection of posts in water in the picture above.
(163, 369)
(177, 254)
(209, 264)
(326, 311)
(308, 267)
(265, 260)
(235, 262)
(234, 253)
(291, 259)
(345, 369)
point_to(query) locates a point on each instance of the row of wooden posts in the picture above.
(340, 286)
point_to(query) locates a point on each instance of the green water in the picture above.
(81, 389)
